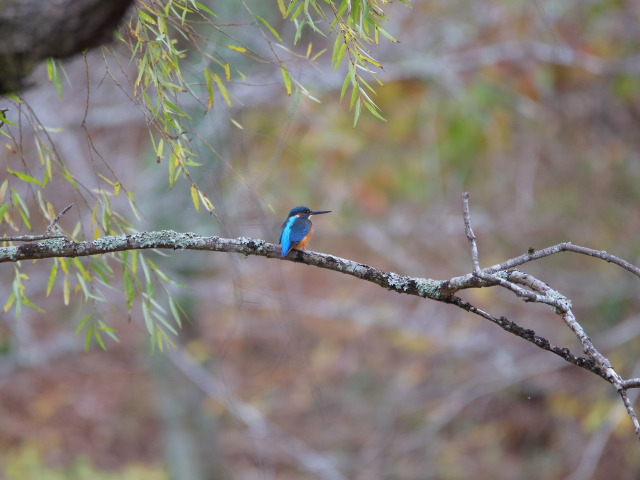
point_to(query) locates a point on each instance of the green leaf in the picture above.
(205, 8)
(374, 111)
(87, 337)
(174, 311)
(24, 177)
(3, 209)
(222, 88)
(356, 115)
(129, 290)
(345, 85)
(271, 29)
(195, 197)
(53, 75)
(52, 277)
(9, 303)
(29, 303)
(98, 337)
(147, 318)
(286, 78)
(83, 322)
(209, 84)
(339, 49)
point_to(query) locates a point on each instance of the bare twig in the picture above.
(563, 247)
(29, 238)
(469, 232)
(36, 238)
(55, 220)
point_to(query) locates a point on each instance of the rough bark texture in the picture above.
(32, 30)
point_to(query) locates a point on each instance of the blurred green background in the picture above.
(286, 371)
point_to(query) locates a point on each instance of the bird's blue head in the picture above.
(303, 211)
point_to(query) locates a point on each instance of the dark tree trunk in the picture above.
(32, 30)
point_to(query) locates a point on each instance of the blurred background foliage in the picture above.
(285, 371)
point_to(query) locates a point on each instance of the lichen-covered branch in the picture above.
(523, 285)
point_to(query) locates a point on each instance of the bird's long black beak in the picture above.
(318, 212)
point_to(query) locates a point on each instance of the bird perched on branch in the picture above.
(297, 229)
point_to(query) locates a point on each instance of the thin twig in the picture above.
(55, 220)
(469, 232)
(563, 247)
(29, 238)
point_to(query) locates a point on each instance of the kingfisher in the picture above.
(297, 229)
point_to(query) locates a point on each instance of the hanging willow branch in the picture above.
(524, 286)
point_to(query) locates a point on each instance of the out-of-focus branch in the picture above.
(261, 428)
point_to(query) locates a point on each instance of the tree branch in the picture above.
(523, 285)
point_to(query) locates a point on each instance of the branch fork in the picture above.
(540, 292)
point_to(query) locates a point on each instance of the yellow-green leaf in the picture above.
(286, 77)
(209, 84)
(271, 29)
(10, 300)
(82, 323)
(195, 198)
(221, 87)
(24, 177)
(52, 276)
(65, 290)
(237, 49)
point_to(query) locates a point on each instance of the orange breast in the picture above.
(303, 243)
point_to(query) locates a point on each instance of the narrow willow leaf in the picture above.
(345, 85)
(222, 88)
(209, 85)
(147, 319)
(356, 115)
(129, 290)
(24, 177)
(205, 200)
(65, 290)
(98, 337)
(3, 189)
(195, 197)
(237, 49)
(339, 49)
(273, 31)
(205, 8)
(174, 311)
(87, 337)
(236, 123)
(374, 111)
(111, 332)
(3, 209)
(83, 322)
(52, 276)
(286, 78)
(29, 303)
(9, 303)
